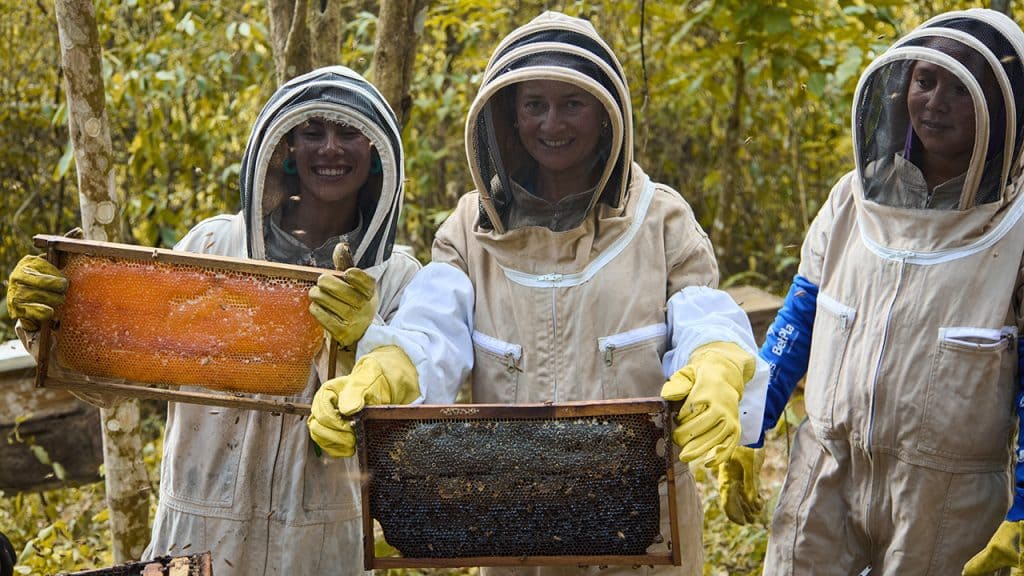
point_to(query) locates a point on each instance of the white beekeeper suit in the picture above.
(247, 485)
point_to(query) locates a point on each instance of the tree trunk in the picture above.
(304, 35)
(399, 25)
(126, 480)
(721, 228)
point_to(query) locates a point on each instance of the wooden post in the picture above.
(1002, 6)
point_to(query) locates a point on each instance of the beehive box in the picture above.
(759, 305)
(145, 323)
(518, 485)
(39, 425)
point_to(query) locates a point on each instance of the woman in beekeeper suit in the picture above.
(905, 315)
(568, 275)
(323, 165)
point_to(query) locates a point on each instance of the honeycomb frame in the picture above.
(192, 565)
(130, 342)
(447, 490)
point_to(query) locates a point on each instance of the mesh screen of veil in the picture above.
(524, 482)
(172, 323)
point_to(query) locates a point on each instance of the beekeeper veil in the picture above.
(557, 47)
(339, 95)
(945, 100)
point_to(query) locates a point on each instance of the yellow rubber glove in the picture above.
(344, 306)
(1003, 551)
(738, 485)
(710, 386)
(384, 376)
(34, 289)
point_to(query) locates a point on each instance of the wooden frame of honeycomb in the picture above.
(446, 492)
(142, 322)
(192, 565)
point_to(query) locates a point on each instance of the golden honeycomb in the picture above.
(180, 324)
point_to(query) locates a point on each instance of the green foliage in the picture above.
(57, 530)
(184, 82)
(741, 105)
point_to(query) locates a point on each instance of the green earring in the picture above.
(375, 165)
(289, 166)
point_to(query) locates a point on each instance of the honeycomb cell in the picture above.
(579, 486)
(176, 324)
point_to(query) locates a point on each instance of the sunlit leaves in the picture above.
(184, 81)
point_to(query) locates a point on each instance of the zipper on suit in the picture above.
(607, 345)
(510, 361)
(867, 512)
(1011, 340)
(554, 335)
(511, 353)
(609, 353)
(881, 353)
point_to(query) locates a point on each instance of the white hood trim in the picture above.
(317, 108)
(577, 278)
(942, 256)
(938, 58)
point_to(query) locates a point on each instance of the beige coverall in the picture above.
(602, 303)
(902, 465)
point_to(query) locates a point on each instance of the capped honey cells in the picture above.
(449, 488)
(177, 324)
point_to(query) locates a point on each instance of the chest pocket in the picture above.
(631, 362)
(833, 322)
(968, 407)
(496, 365)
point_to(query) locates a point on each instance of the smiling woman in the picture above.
(568, 275)
(330, 163)
(560, 125)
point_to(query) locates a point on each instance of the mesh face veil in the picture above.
(936, 118)
(551, 47)
(335, 94)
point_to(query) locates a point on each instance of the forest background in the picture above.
(741, 105)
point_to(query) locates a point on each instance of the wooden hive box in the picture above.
(760, 306)
(65, 428)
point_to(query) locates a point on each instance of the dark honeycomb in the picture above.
(581, 486)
